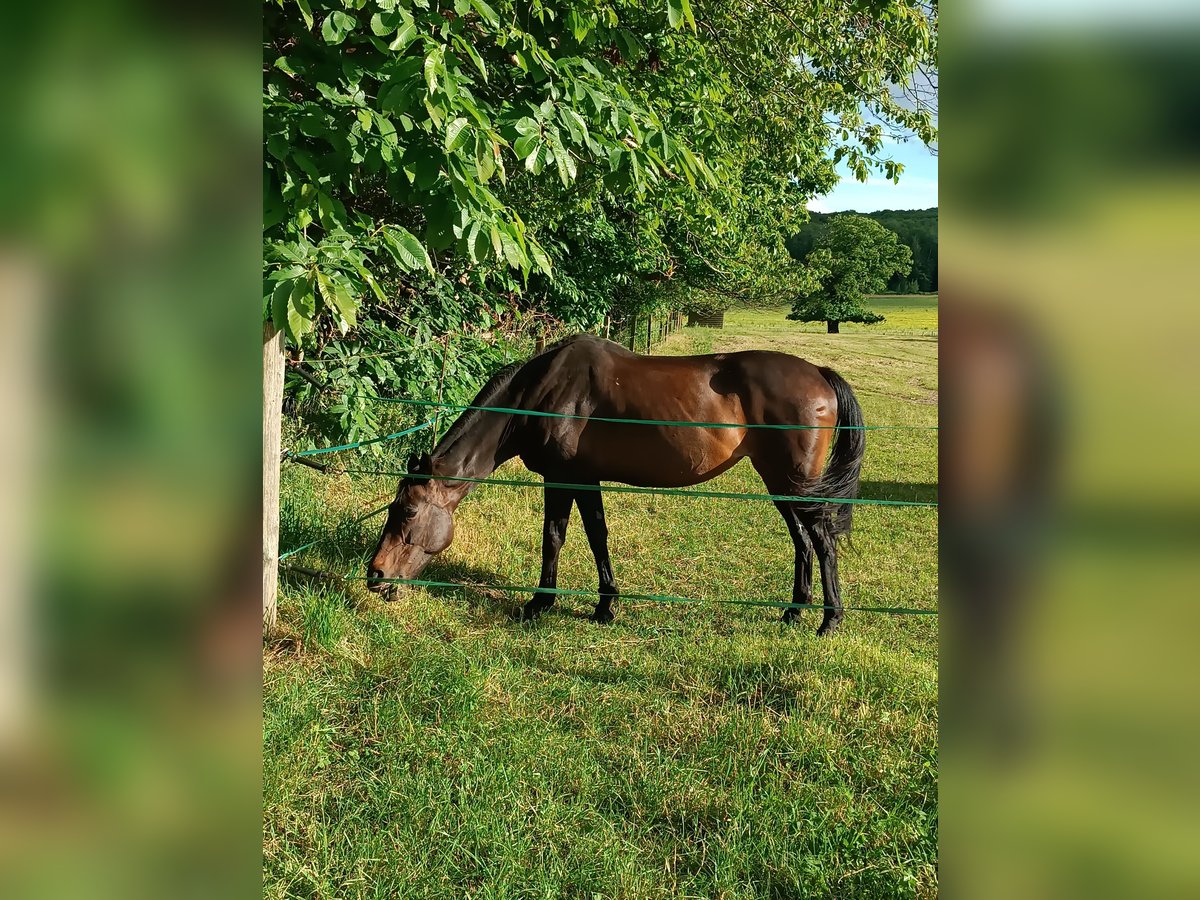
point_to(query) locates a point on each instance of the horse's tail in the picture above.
(840, 478)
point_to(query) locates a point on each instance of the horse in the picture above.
(582, 380)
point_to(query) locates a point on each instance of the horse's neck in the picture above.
(478, 449)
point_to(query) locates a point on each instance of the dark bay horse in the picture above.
(586, 376)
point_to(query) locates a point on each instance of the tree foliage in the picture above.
(851, 257)
(916, 228)
(474, 166)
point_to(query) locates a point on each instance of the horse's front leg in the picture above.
(591, 510)
(554, 532)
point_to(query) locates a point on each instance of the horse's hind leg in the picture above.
(820, 526)
(591, 510)
(554, 532)
(802, 584)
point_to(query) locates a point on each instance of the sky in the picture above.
(918, 188)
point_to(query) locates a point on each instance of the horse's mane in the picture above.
(497, 383)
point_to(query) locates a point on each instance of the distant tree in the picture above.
(916, 228)
(852, 256)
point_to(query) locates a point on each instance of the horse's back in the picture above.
(767, 384)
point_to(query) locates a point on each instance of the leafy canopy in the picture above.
(851, 256)
(494, 143)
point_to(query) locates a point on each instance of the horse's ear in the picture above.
(420, 463)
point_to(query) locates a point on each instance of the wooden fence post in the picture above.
(272, 423)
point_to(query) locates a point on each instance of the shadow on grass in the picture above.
(472, 587)
(759, 686)
(898, 490)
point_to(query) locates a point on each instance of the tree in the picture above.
(916, 228)
(851, 257)
(410, 142)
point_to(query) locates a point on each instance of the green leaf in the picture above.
(476, 59)
(526, 144)
(536, 161)
(475, 248)
(336, 26)
(434, 66)
(425, 166)
(407, 249)
(337, 300)
(486, 12)
(527, 125)
(575, 125)
(373, 284)
(326, 288)
(306, 12)
(540, 259)
(456, 134)
(580, 25)
(512, 250)
(302, 298)
(279, 304)
(277, 145)
(295, 324)
(404, 37)
(345, 304)
(674, 12)
(566, 164)
(485, 158)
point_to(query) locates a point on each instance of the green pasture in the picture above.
(434, 747)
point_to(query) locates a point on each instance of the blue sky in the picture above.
(918, 188)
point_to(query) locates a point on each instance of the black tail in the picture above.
(840, 478)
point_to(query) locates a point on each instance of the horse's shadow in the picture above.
(910, 491)
(487, 591)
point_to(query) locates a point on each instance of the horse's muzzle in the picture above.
(385, 589)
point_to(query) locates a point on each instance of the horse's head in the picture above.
(419, 526)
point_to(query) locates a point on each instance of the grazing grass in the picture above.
(433, 747)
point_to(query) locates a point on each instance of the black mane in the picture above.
(495, 385)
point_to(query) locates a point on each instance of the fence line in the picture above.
(628, 489)
(376, 440)
(620, 595)
(668, 422)
(433, 404)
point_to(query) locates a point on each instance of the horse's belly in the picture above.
(665, 457)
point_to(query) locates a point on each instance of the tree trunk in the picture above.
(832, 326)
(272, 421)
(649, 329)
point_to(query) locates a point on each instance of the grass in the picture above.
(432, 747)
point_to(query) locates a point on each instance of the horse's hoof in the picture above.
(602, 616)
(826, 629)
(530, 612)
(789, 617)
